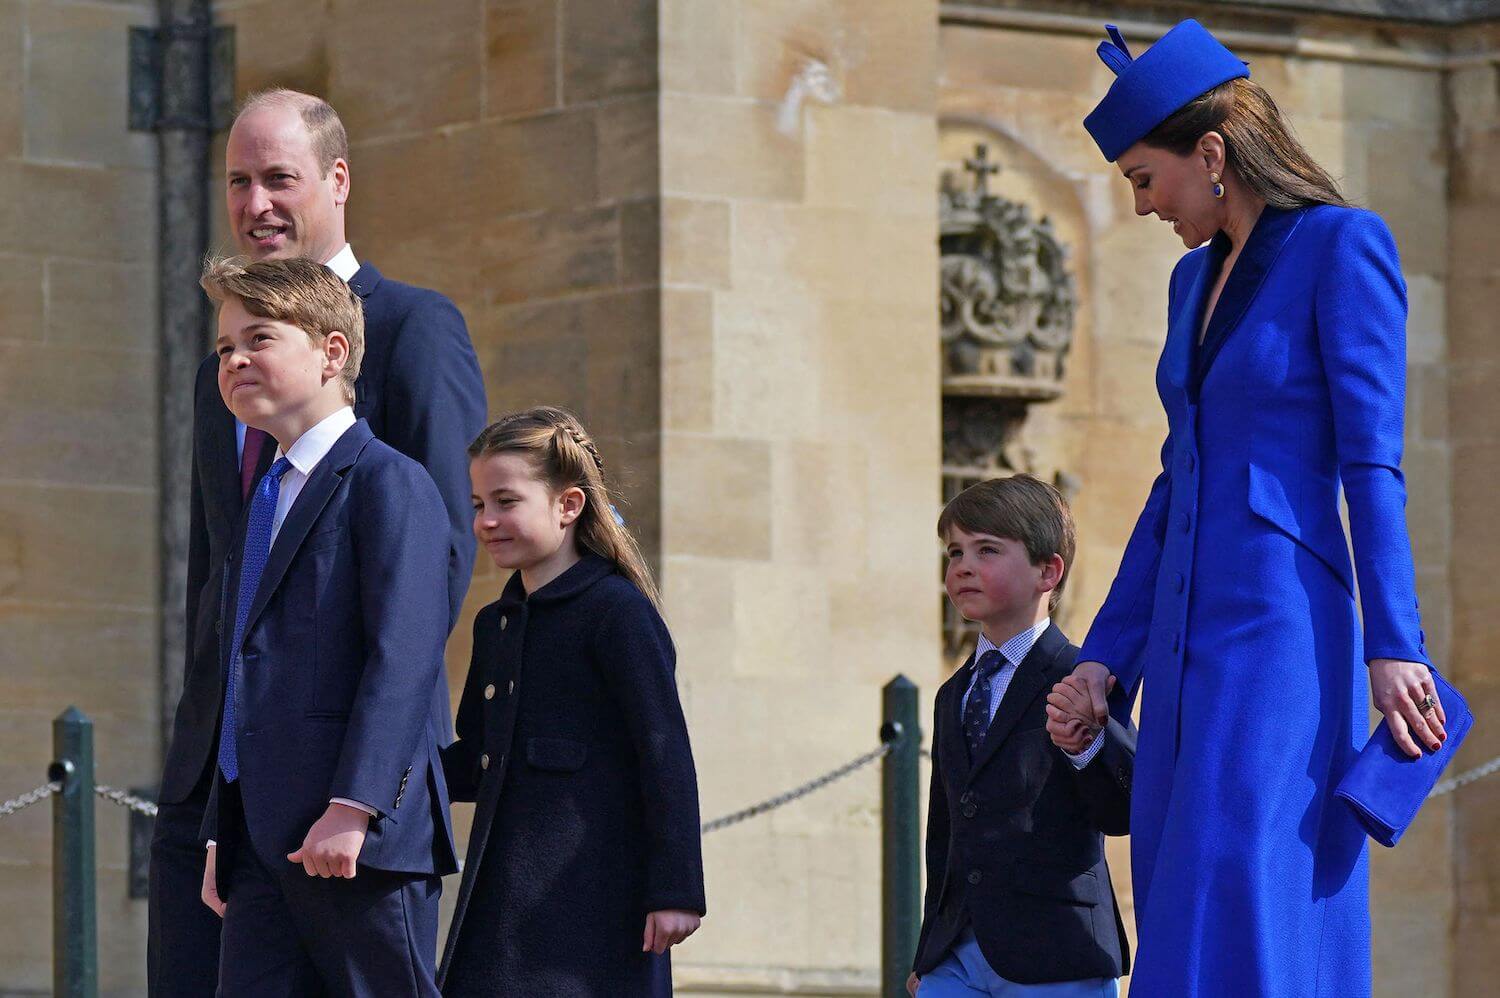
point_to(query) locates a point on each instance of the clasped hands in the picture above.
(1078, 707)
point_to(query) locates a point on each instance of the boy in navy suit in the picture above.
(334, 611)
(1019, 900)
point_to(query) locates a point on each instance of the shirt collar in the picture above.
(1016, 648)
(344, 264)
(314, 445)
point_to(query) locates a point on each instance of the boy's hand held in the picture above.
(210, 890)
(1097, 681)
(665, 929)
(331, 848)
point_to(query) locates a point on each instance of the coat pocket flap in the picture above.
(562, 755)
(1056, 882)
(1268, 500)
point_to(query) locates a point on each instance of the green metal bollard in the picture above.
(901, 842)
(75, 939)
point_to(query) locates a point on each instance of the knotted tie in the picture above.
(252, 564)
(977, 710)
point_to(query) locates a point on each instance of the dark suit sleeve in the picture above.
(401, 545)
(638, 664)
(434, 408)
(197, 560)
(1104, 784)
(937, 832)
(461, 759)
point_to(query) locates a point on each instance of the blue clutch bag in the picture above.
(1385, 786)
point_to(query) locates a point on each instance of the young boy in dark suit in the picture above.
(334, 613)
(1019, 900)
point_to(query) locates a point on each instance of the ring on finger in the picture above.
(1427, 704)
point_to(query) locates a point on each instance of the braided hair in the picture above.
(565, 457)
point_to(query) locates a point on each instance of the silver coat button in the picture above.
(484, 761)
(489, 692)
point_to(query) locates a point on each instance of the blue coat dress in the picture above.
(1234, 608)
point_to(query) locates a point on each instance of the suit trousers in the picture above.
(291, 935)
(965, 973)
(182, 942)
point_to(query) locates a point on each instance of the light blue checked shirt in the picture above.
(1014, 651)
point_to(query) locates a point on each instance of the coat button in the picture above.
(489, 692)
(1190, 461)
(967, 797)
(1187, 523)
(510, 687)
(503, 622)
(975, 876)
(1179, 581)
(484, 761)
(969, 810)
(219, 626)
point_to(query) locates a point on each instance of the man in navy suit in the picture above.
(419, 390)
(333, 614)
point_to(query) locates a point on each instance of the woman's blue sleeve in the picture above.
(1361, 319)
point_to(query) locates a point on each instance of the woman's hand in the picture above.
(1096, 679)
(1070, 715)
(665, 929)
(1399, 689)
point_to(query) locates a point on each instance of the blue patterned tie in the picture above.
(252, 564)
(977, 710)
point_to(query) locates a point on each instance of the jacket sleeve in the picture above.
(1361, 318)
(1104, 784)
(435, 407)
(637, 663)
(401, 547)
(1117, 638)
(937, 833)
(461, 759)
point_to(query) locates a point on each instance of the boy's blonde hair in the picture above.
(1023, 509)
(565, 456)
(298, 292)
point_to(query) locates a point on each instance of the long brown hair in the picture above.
(564, 455)
(1258, 144)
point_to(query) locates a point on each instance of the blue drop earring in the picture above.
(1218, 187)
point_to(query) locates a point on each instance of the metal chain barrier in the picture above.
(797, 793)
(29, 798)
(126, 800)
(1464, 779)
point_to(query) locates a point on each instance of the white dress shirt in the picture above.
(1014, 651)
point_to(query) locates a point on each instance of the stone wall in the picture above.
(799, 451)
(1473, 107)
(78, 493)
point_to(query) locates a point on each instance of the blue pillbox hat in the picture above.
(1185, 63)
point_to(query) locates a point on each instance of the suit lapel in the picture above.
(305, 512)
(220, 475)
(950, 705)
(365, 280)
(1272, 230)
(1032, 677)
(1183, 324)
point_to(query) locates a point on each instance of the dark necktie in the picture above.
(255, 442)
(252, 564)
(977, 710)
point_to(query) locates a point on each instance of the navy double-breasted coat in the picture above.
(1234, 608)
(571, 740)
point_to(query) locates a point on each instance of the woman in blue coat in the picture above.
(1283, 378)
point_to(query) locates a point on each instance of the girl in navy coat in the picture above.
(1283, 381)
(584, 864)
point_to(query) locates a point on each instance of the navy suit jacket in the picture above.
(421, 392)
(344, 692)
(1015, 836)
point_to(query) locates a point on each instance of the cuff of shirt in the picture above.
(1087, 755)
(367, 809)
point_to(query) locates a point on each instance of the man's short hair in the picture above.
(329, 140)
(296, 291)
(1021, 508)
